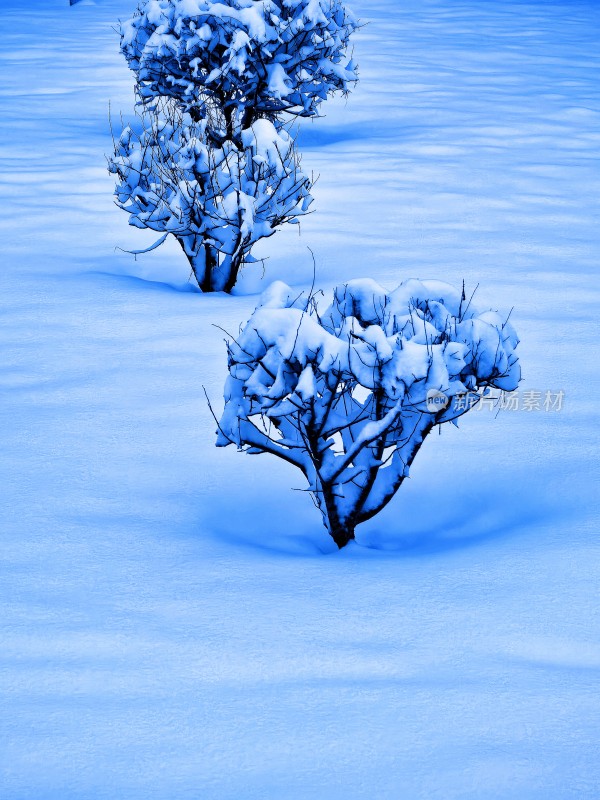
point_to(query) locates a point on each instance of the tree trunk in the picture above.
(203, 264)
(341, 529)
(211, 264)
(236, 263)
(421, 430)
(341, 534)
(226, 273)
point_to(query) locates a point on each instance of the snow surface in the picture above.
(175, 623)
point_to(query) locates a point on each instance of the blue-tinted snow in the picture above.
(174, 622)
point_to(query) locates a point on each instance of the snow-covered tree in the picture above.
(212, 162)
(216, 200)
(234, 61)
(348, 394)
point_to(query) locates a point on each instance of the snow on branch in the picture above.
(349, 393)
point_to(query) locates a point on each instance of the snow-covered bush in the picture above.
(216, 200)
(212, 163)
(234, 61)
(348, 394)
